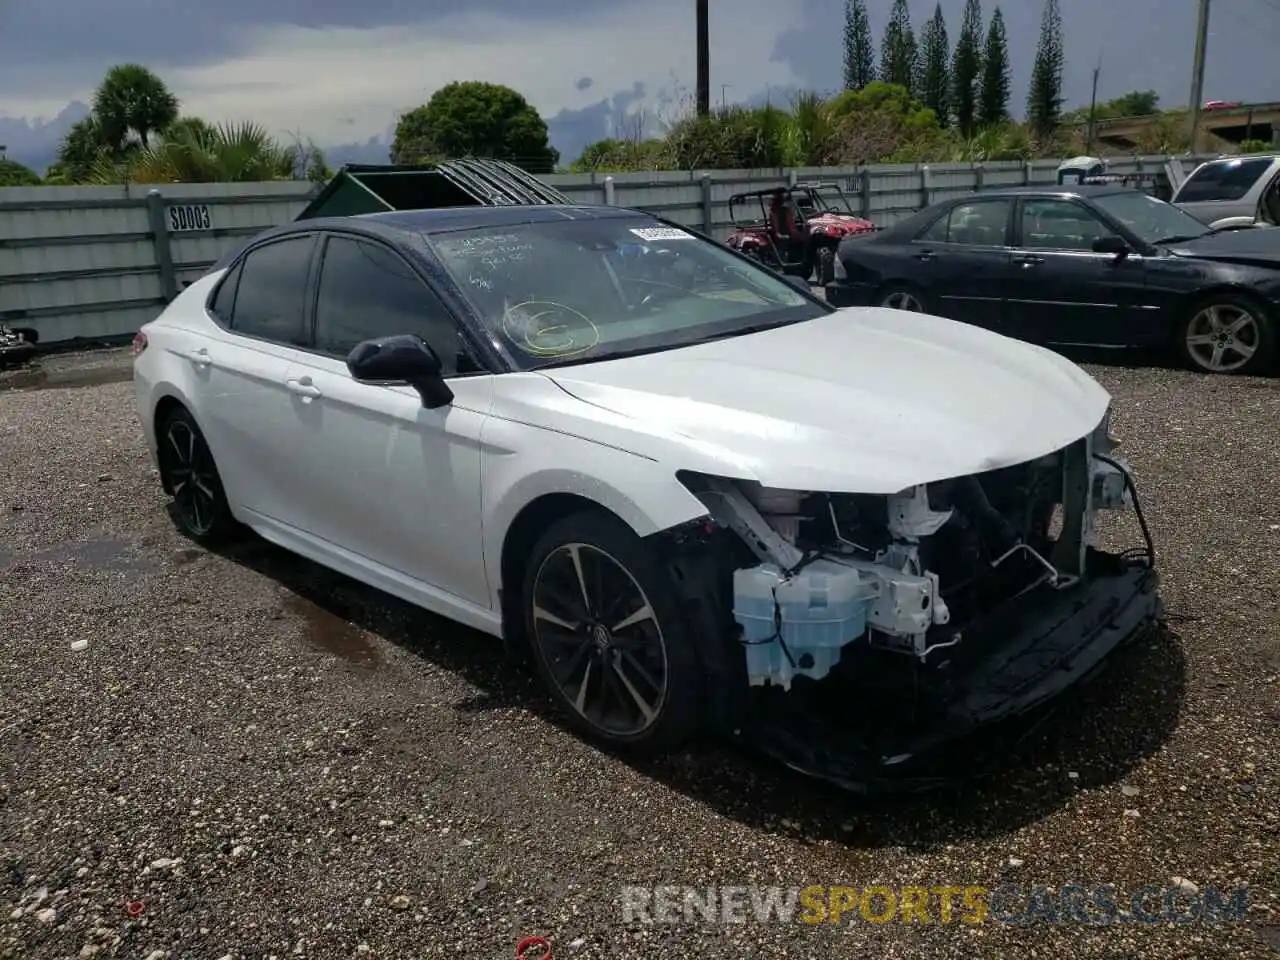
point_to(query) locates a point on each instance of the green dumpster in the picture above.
(363, 188)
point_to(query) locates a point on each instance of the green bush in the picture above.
(14, 174)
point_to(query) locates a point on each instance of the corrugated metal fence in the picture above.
(883, 194)
(98, 262)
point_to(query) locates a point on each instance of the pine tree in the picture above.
(966, 68)
(1044, 98)
(932, 87)
(993, 107)
(859, 52)
(898, 54)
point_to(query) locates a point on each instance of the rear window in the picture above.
(1224, 181)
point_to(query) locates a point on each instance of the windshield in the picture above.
(824, 200)
(577, 290)
(1150, 219)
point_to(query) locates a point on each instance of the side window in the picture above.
(1060, 225)
(271, 297)
(224, 300)
(980, 222)
(368, 291)
(936, 232)
(1271, 201)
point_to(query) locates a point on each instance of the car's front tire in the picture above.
(1227, 333)
(609, 642)
(901, 296)
(189, 474)
(826, 265)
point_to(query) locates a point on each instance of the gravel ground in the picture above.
(269, 760)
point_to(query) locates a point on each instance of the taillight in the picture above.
(139, 342)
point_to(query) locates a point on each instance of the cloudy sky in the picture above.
(340, 70)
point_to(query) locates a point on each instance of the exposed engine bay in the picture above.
(819, 576)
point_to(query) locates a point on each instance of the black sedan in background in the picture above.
(1077, 265)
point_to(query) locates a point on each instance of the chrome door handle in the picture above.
(303, 387)
(200, 357)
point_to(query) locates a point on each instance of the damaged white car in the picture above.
(696, 496)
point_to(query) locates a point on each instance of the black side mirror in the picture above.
(1111, 244)
(403, 359)
(800, 283)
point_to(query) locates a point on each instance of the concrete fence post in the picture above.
(864, 192)
(979, 177)
(610, 192)
(707, 212)
(160, 239)
(925, 186)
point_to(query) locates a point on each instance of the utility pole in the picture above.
(724, 97)
(1093, 108)
(1197, 72)
(704, 59)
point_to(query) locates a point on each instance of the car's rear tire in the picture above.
(188, 472)
(609, 641)
(903, 296)
(826, 265)
(1227, 333)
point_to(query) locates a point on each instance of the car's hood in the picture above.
(865, 400)
(1250, 245)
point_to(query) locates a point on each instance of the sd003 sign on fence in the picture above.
(194, 216)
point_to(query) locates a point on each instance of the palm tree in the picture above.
(82, 149)
(131, 105)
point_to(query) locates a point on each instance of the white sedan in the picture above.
(696, 496)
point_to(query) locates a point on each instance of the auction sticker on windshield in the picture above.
(661, 233)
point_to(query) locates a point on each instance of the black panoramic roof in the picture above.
(468, 218)
(401, 223)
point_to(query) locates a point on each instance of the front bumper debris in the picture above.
(1033, 650)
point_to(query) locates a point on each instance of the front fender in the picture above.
(523, 464)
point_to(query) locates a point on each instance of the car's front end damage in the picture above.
(865, 638)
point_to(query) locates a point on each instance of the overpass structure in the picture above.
(1249, 121)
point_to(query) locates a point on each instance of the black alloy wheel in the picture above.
(608, 640)
(190, 475)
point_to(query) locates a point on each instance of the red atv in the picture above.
(798, 228)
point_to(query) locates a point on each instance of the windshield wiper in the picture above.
(600, 358)
(741, 331)
(641, 351)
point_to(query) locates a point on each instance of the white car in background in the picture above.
(696, 496)
(1233, 192)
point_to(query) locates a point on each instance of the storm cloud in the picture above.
(341, 72)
